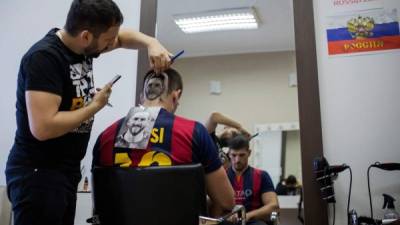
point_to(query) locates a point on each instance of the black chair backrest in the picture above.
(173, 195)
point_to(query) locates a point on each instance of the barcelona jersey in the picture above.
(250, 186)
(173, 141)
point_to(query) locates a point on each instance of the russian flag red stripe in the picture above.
(363, 45)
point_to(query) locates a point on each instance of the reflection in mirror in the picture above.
(248, 75)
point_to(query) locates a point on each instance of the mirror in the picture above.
(247, 75)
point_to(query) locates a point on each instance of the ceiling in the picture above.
(275, 33)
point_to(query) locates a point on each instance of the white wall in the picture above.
(25, 22)
(254, 87)
(360, 118)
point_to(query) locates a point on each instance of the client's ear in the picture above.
(179, 93)
(176, 95)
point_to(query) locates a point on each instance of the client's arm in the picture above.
(220, 192)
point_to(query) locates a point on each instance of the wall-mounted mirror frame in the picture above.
(315, 210)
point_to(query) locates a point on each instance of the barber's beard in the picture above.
(92, 50)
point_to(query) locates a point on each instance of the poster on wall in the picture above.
(357, 27)
(363, 32)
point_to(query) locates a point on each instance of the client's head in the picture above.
(239, 152)
(163, 89)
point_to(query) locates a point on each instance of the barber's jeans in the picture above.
(42, 196)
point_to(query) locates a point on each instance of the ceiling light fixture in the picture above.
(217, 20)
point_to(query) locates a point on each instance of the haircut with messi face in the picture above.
(163, 89)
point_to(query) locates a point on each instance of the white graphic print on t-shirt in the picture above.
(81, 75)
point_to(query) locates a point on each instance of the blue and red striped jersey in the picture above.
(250, 186)
(174, 141)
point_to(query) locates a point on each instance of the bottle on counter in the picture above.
(86, 184)
(388, 206)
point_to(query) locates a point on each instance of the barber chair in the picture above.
(170, 195)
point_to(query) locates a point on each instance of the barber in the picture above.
(56, 102)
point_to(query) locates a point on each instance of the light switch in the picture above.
(293, 80)
(215, 87)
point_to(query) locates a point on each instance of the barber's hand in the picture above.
(159, 57)
(102, 95)
(244, 132)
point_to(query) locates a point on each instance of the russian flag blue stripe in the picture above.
(380, 30)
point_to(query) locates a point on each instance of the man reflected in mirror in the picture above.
(253, 187)
(288, 186)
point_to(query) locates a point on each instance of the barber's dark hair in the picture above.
(226, 136)
(174, 79)
(238, 142)
(291, 180)
(96, 16)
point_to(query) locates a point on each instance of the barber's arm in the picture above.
(159, 57)
(218, 118)
(220, 192)
(46, 122)
(270, 204)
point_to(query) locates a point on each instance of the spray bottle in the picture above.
(388, 205)
(353, 218)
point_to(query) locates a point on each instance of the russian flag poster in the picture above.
(363, 31)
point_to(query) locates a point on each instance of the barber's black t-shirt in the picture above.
(49, 66)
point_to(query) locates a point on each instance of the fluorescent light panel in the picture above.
(228, 19)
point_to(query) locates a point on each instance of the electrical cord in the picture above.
(348, 200)
(369, 192)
